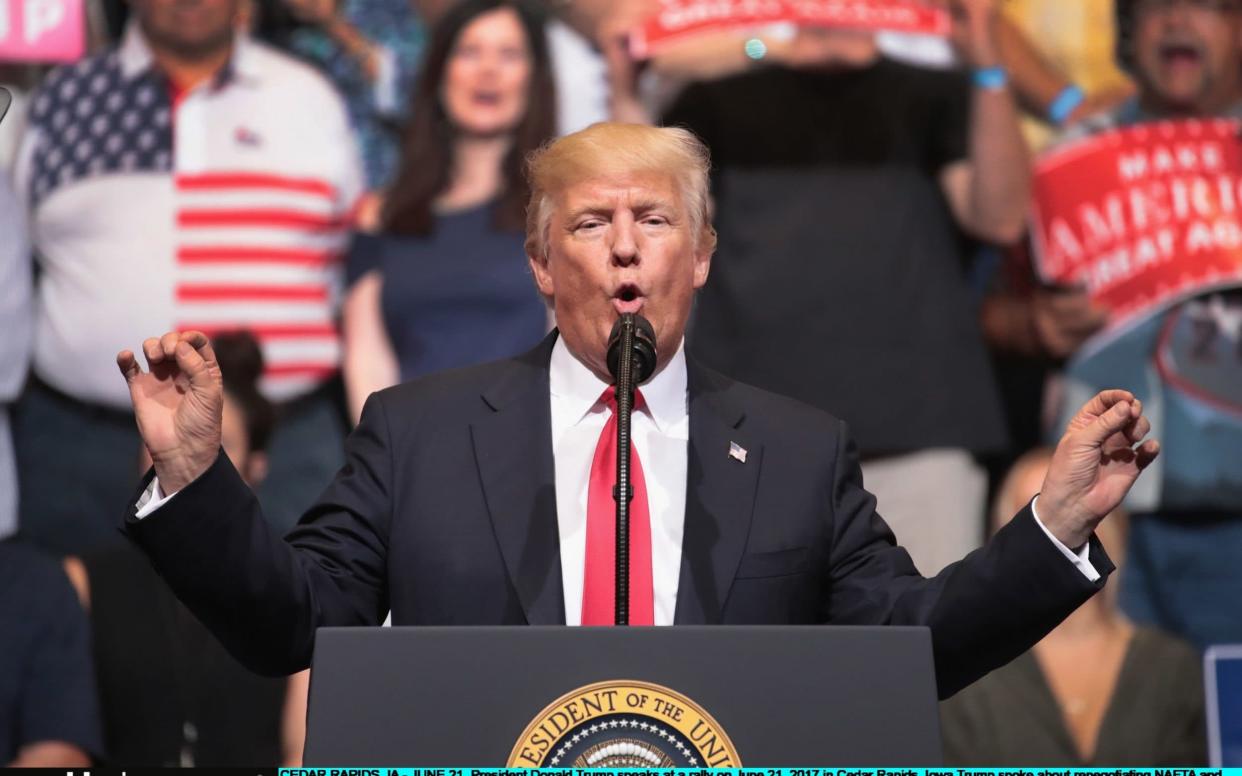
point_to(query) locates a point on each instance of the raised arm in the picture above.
(202, 527)
(999, 600)
(989, 191)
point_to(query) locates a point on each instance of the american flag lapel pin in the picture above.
(737, 452)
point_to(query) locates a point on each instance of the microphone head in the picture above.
(643, 347)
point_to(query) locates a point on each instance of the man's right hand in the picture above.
(178, 404)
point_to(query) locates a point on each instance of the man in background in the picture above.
(188, 175)
(1186, 363)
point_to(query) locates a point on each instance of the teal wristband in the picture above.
(1065, 103)
(991, 78)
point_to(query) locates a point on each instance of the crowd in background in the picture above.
(333, 190)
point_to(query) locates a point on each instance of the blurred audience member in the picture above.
(370, 49)
(1061, 56)
(49, 717)
(15, 320)
(1185, 364)
(188, 178)
(445, 282)
(170, 694)
(842, 179)
(1095, 691)
(1040, 83)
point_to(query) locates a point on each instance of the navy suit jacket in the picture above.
(445, 512)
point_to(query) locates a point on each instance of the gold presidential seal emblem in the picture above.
(623, 724)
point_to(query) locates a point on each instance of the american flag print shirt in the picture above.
(221, 208)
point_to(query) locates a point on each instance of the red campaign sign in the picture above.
(680, 18)
(42, 30)
(1143, 217)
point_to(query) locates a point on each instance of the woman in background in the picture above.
(444, 282)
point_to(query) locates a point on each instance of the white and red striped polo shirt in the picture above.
(226, 207)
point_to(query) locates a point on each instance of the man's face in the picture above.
(620, 244)
(192, 29)
(1189, 52)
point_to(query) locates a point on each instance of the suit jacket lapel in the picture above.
(513, 450)
(720, 497)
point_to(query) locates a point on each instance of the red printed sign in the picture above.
(42, 30)
(1143, 217)
(679, 18)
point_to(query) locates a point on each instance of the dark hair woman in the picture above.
(444, 282)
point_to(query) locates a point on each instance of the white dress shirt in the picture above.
(661, 435)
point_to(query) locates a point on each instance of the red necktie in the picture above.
(599, 581)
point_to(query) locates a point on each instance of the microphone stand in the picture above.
(622, 492)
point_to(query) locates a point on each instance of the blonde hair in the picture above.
(614, 149)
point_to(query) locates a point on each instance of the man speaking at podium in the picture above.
(483, 496)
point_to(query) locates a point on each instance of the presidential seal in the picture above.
(623, 724)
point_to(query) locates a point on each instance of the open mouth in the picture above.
(628, 298)
(487, 98)
(1180, 54)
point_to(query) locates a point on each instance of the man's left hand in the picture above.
(1094, 465)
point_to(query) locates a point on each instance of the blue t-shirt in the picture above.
(47, 678)
(460, 296)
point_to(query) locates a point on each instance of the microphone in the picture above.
(642, 348)
(631, 359)
(5, 100)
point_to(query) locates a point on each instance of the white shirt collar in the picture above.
(134, 55)
(580, 389)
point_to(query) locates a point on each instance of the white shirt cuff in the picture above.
(1079, 559)
(153, 498)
